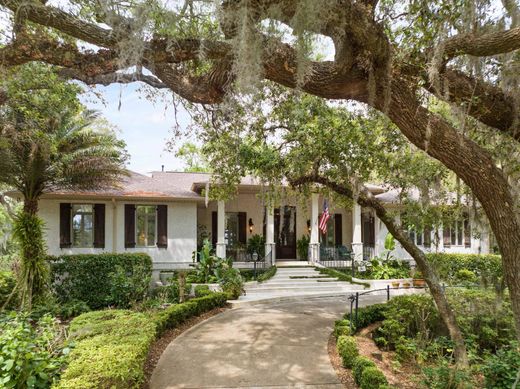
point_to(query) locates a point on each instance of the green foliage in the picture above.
(359, 365)
(194, 160)
(64, 311)
(256, 244)
(457, 269)
(205, 267)
(444, 376)
(202, 290)
(501, 369)
(7, 285)
(372, 378)
(384, 269)
(31, 353)
(347, 349)
(170, 293)
(110, 350)
(342, 327)
(177, 314)
(101, 280)
(389, 242)
(302, 245)
(267, 274)
(368, 315)
(412, 326)
(33, 278)
(231, 281)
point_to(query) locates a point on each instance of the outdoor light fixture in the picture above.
(255, 256)
(251, 225)
(308, 225)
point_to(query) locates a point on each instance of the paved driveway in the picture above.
(266, 346)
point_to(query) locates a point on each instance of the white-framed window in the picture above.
(329, 238)
(458, 233)
(145, 225)
(82, 225)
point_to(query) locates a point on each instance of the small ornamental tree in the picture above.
(47, 140)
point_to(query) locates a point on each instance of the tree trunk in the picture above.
(366, 199)
(431, 133)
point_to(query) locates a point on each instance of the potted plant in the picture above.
(418, 279)
(395, 284)
(406, 284)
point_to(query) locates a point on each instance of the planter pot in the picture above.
(406, 285)
(395, 284)
(419, 282)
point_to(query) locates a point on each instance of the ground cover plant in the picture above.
(411, 327)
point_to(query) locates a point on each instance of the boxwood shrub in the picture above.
(111, 346)
(347, 350)
(359, 364)
(101, 280)
(372, 378)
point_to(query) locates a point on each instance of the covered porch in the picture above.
(239, 226)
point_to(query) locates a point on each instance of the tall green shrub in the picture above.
(456, 269)
(101, 280)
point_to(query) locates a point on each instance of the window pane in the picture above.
(145, 225)
(419, 238)
(460, 230)
(453, 234)
(82, 225)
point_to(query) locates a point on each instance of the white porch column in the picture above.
(314, 244)
(221, 227)
(357, 243)
(270, 246)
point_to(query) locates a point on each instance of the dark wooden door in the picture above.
(285, 232)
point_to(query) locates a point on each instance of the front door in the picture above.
(285, 232)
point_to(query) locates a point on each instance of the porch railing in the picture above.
(369, 252)
(336, 257)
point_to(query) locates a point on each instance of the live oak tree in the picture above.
(389, 55)
(49, 141)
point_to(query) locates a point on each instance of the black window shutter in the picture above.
(242, 227)
(214, 228)
(65, 227)
(338, 228)
(99, 226)
(129, 225)
(162, 226)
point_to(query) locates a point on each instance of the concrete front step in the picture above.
(289, 263)
(295, 290)
(291, 280)
(259, 299)
(295, 284)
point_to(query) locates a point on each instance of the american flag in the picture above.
(325, 216)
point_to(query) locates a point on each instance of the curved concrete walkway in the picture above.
(267, 346)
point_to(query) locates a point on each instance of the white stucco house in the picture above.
(164, 215)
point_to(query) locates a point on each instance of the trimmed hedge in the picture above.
(456, 269)
(342, 327)
(372, 378)
(101, 280)
(177, 314)
(347, 350)
(111, 346)
(359, 365)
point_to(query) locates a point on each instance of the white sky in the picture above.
(145, 126)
